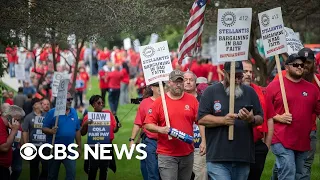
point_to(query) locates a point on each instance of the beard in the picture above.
(295, 75)
(177, 91)
(238, 92)
(308, 74)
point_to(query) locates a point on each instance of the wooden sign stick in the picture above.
(317, 80)
(164, 105)
(283, 91)
(231, 102)
(54, 136)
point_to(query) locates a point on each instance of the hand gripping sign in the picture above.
(274, 41)
(233, 35)
(156, 65)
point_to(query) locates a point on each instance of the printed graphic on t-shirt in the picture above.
(37, 135)
(217, 106)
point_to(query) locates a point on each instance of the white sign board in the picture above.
(136, 45)
(154, 38)
(61, 101)
(127, 43)
(272, 32)
(57, 77)
(156, 62)
(19, 71)
(233, 34)
(294, 45)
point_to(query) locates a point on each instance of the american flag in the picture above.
(192, 36)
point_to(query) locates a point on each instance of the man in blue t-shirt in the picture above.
(67, 131)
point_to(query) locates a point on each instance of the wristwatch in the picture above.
(130, 139)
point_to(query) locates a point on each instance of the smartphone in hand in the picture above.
(248, 107)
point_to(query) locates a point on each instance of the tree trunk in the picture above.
(75, 72)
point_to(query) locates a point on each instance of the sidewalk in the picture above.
(11, 82)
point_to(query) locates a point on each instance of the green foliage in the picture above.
(173, 35)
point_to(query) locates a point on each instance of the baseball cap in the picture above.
(201, 80)
(293, 57)
(307, 53)
(34, 101)
(175, 74)
(238, 67)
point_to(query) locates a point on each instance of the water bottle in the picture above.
(181, 135)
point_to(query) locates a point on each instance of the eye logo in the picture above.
(28, 151)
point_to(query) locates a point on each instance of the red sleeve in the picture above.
(153, 113)
(141, 115)
(3, 132)
(85, 119)
(269, 104)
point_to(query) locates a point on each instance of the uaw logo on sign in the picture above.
(228, 19)
(265, 20)
(148, 52)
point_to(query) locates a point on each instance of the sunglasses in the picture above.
(297, 65)
(100, 103)
(69, 99)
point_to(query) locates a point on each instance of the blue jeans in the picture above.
(228, 170)
(149, 166)
(54, 166)
(11, 69)
(16, 164)
(289, 163)
(113, 99)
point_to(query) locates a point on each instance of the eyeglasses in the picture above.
(69, 99)
(297, 65)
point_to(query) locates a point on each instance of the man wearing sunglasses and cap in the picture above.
(67, 131)
(291, 139)
(229, 159)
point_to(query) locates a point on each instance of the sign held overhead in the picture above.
(233, 34)
(272, 32)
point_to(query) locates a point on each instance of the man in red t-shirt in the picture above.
(308, 75)
(262, 142)
(175, 157)
(9, 119)
(291, 139)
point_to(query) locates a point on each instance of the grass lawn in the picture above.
(130, 169)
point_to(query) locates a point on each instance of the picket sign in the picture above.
(233, 35)
(274, 42)
(317, 80)
(156, 65)
(61, 103)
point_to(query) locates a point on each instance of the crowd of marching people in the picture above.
(197, 99)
